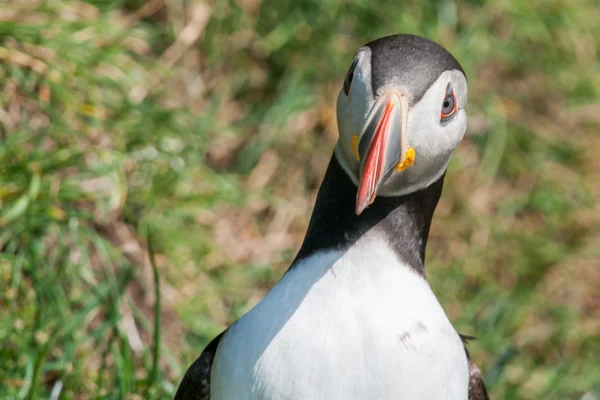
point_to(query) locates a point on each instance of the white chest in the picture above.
(358, 325)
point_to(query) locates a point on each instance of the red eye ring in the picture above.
(449, 105)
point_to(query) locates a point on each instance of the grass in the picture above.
(211, 125)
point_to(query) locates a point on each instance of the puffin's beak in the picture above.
(382, 146)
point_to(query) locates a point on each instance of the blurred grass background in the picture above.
(211, 124)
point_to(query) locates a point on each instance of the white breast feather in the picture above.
(351, 326)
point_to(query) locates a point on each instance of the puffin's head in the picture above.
(400, 116)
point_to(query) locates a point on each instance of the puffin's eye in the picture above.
(448, 105)
(349, 76)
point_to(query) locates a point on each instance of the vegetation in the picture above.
(207, 127)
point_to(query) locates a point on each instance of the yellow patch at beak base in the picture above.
(408, 160)
(355, 147)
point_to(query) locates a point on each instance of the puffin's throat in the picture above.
(404, 220)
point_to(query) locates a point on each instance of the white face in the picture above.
(432, 137)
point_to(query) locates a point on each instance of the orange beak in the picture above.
(382, 146)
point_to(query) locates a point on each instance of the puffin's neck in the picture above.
(403, 220)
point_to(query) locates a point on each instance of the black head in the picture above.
(408, 61)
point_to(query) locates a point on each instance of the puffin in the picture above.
(354, 316)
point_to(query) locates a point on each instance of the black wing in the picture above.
(195, 384)
(477, 389)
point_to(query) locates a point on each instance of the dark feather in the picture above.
(477, 389)
(195, 384)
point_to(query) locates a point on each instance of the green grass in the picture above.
(112, 125)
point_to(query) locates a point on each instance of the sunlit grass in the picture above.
(211, 126)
